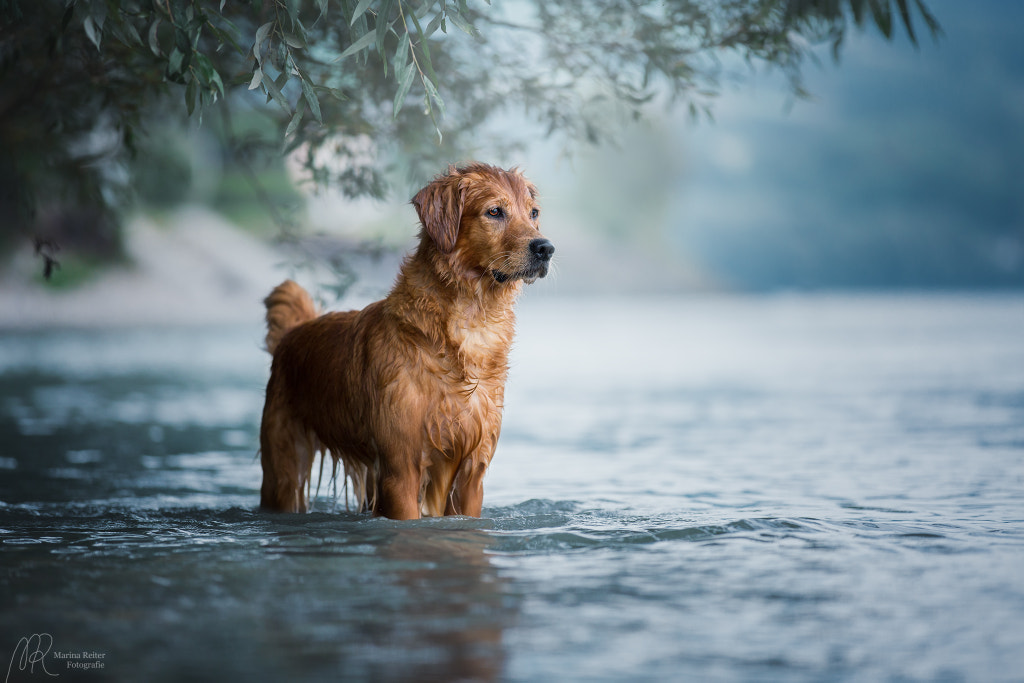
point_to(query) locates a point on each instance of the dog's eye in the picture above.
(535, 213)
(495, 212)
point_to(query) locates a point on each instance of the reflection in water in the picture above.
(417, 597)
(240, 594)
(467, 600)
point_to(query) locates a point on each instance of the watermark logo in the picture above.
(30, 655)
(34, 657)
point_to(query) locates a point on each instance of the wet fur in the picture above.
(407, 394)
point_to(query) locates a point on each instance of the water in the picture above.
(714, 489)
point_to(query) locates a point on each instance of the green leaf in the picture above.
(294, 40)
(463, 25)
(434, 95)
(261, 34)
(226, 38)
(322, 4)
(360, 10)
(257, 77)
(293, 12)
(424, 49)
(175, 61)
(429, 111)
(280, 56)
(360, 28)
(202, 104)
(314, 103)
(190, 96)
(433, 25)
(930, 21)
(858, 11)
(132, 33)
(154, 38)
(335, 93)
(364, 42)
(401, 54)
(883, 16)
(99, 14)
(94, 33)
(382, 30)
(404, 83)
(203, 67)
(907, 22)
(275, 93)
(293, 125)
(178, 18)
(217, 81)
(182, 40)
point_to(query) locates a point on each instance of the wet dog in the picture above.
(407, 394)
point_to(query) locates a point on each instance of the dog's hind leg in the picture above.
(286, 453)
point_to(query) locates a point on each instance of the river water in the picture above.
(765, 488)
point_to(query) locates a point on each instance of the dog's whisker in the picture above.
(496, 259)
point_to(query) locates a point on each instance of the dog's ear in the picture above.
(439, 206)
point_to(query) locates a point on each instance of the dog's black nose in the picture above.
(542, 249)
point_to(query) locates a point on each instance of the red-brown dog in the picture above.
(407, 393)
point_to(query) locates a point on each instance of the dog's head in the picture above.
(484, 223)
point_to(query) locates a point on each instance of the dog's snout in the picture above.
(542, 249)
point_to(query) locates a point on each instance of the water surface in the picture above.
(718, 489)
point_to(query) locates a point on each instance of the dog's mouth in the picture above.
(529, 276)
(536, 264)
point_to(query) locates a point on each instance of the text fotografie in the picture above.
(81, 660)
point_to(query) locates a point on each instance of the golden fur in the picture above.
(407, 393)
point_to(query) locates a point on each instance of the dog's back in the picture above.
(288, 306)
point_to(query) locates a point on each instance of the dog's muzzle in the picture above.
(541, 251)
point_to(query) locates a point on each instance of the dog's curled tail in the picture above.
(288, 305)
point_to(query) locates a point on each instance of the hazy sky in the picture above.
(905, 169)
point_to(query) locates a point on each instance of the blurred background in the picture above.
(902, 169)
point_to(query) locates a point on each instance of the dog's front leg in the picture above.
(467, 496)
(399, 492)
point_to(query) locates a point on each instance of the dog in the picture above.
(407, 393)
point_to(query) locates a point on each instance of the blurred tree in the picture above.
(354, 88)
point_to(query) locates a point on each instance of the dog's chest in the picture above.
(478, 340)
(465, 416)
(470, 398)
